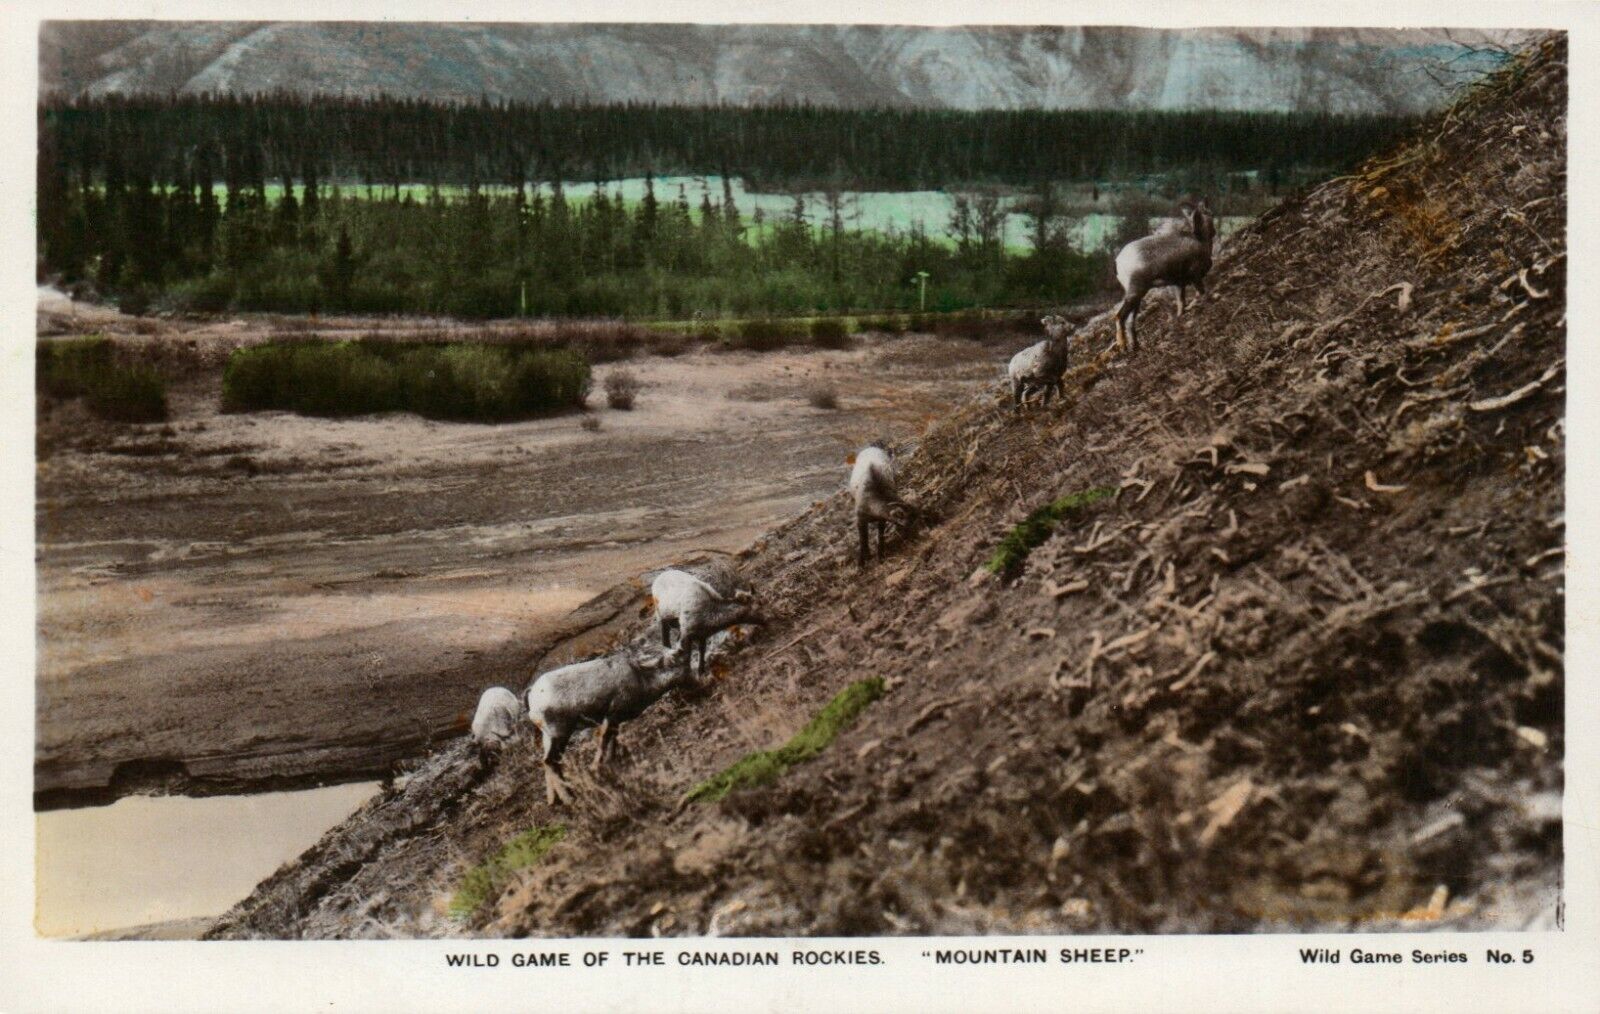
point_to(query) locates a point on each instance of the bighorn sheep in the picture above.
(1039, 367)
(698, 610)
(603, 691)
(496, 721)
(878, 500)
(1166, 258)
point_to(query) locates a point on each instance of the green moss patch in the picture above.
(767, 766)
(488, 878)
(1038, 526)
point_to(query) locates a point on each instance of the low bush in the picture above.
(622, 387)
(87, 368)
(457, 381)
(823, 396)
(885, 325)
(763, 334)
(829, 333)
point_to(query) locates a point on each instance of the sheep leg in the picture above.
(1180, 300)
(1016, 396)
(666, 635)
(880, 540)
(702, 646)
(555, 787)
(861, 541)
(1131, 313)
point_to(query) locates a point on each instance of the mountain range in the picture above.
(1334, 69)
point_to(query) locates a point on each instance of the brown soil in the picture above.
(263, 600)
(1305, 669)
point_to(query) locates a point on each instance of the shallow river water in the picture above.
(153, 859)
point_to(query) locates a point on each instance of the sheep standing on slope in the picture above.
(1167, 258)
(1039, 367)
(605, 692)
(698, 610)
(878, 501)
(495, 723)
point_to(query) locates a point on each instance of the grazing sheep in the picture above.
(878, 500)
(1039, 367)
(698, 610)
(1167, 258)
(496, 721)
(602, 691)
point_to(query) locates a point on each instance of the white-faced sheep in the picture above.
(603, 692)
(496, 722)
(878, 500)
(698, 610)
(1039, 367)
(1167, 258)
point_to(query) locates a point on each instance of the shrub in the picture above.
(886, 325)
(591, 424)
(212, 293)
(87, 368)
(766, 766)
(135, 302)
(823, 396)
(622, 387)
(763, 334)
(829, 333)
(920, 323)
(469, 382)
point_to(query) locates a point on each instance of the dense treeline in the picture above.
(391, 141)
(128, 202)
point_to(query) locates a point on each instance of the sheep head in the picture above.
(1056, 327)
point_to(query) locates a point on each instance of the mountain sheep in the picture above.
(698, 610)
(878, 501)
(1039, 367)
(495, 723)
(1167, 258)
(603, 692)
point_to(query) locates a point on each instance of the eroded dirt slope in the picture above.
(1305, 668)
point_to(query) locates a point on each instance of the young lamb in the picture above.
(1039, 367)
(878, 501)
(698, 610)
(1166, 258)
(496, 721)
(603, 691)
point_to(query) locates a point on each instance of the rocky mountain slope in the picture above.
(1340, 70)
(1304, 666)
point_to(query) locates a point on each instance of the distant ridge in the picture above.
(1339, 70)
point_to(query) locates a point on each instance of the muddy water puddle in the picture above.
(157, 859)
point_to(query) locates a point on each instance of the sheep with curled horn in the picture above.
(1175, 258)
(601, 692)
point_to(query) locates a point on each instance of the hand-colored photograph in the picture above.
(711, 480)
